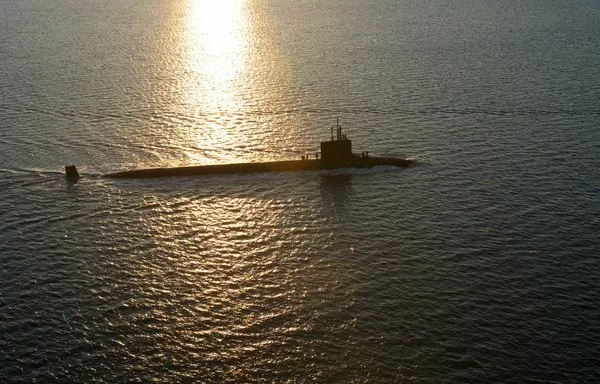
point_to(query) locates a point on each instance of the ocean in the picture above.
(479, 264)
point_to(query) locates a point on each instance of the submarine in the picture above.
(335, 153)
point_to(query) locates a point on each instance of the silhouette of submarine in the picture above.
(335, 153)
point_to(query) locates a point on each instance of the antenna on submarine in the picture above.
(338, 130)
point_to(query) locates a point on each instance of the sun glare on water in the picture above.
(231, 67)
(215, 37)
(216, 34)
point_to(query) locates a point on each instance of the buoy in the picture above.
(71, 173)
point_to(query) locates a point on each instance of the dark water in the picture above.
(478, 265)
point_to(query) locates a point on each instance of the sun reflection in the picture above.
(232, 67)
(215, 49)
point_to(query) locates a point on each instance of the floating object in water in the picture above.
(335, 153)
(71, 173)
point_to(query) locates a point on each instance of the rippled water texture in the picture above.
(480, 264)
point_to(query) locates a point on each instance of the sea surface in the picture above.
(480, 264)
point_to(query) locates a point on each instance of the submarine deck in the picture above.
(273, 166)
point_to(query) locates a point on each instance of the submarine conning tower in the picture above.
(338, 151)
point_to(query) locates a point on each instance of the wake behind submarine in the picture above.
(335, 153)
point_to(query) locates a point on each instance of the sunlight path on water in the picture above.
(235, 80)
(215, 45)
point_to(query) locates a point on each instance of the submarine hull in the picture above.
(273, 166)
